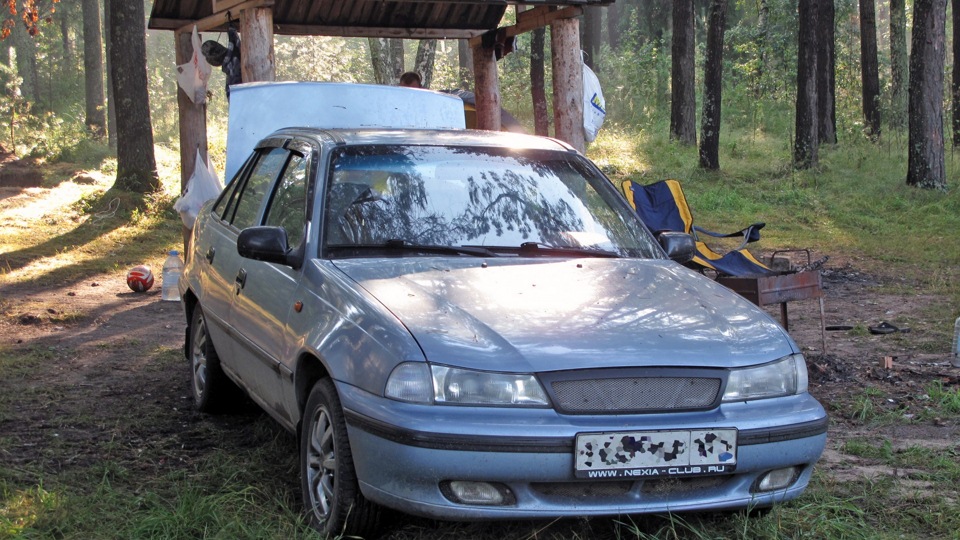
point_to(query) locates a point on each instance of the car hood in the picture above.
(559, 314)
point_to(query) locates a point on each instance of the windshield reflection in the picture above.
(456, 196)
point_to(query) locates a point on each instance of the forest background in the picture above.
(74, 463)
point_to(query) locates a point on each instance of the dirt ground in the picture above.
(110, 375)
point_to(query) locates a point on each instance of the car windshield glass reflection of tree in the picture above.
(457, 196)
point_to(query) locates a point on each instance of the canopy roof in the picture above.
(361, 18)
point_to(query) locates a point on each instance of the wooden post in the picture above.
(256, 42)
(193, 126)
(567, 82)
(486, 88)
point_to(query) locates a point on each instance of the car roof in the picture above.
(427, 137)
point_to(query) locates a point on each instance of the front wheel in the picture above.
(328, 479)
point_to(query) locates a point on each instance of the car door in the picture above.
(242, 209)
(265, 291)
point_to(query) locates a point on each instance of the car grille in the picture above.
(647, 394)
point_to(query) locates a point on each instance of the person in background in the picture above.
(411, 79)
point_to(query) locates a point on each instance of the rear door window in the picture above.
(245, 208)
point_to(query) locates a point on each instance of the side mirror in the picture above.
(680, 247)
(268, 244)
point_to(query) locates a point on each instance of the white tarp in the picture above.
(259, 109)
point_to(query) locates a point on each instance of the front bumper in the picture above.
(404, 452)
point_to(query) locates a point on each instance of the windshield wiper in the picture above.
(537, 249)
(395, 244)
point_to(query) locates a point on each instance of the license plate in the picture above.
(656, 453)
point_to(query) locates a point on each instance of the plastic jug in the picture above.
(172, 268)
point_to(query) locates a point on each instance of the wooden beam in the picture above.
(193, 125)
(537, 18)
(486, 88)
(567, 82)
(223, 5)
(219, 19)
(257, 62)
(372, 31)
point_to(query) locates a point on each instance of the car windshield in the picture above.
(410, 198)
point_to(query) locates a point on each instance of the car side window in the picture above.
(288, 208)
(257, 187)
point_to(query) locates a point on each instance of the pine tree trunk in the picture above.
(806, 143)
(541, 120)
(592, 17)
(925, 166)
(712, 86)
(26, 47)
(898, 64)
(683, 104)
(466, 63)
(956, 73)
(763, 32)
(613, 27)
(111, 102)
(136, 164)
(68, 44)
(96, 119)
(426, 52)
(871, 71)
(827, 74)
(387, 64)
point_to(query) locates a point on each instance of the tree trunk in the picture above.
(541, 120)
(466, 64)
(956, 73)
(26, 47)
(871, 71)
(763, 32)
(592, 17)
(712, 85)
(925, 167)
(898, 64)
(613, 27)
(806, 143)
(387, 64)
(111, 102)
(68, 43)
(426, 52)
(136, 164)
(827, 74)
(96, 119)
(683, 103)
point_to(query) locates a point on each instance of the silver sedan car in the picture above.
(469, 325)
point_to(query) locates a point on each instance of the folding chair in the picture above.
(663, 207)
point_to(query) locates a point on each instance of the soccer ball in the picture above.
(140, 278)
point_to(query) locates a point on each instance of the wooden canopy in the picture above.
(476, 20)
(443, 19)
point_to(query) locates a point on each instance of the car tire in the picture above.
(212, 392)
(331, 494)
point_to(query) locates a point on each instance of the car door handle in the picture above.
(241, 280)
(210, 254)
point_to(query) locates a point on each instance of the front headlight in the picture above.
(785, 377)
(415, 382)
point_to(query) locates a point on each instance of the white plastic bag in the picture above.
(594, 107)
(204, 184)
(193, 76)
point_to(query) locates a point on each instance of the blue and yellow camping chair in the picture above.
(663, 207)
